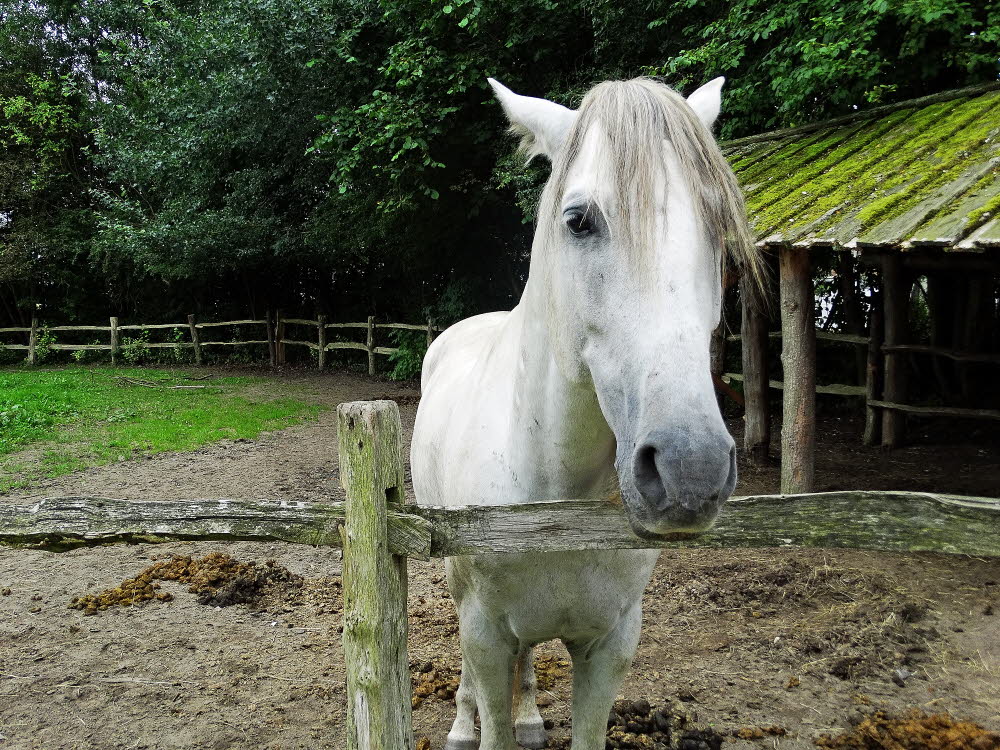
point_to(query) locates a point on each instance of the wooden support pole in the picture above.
(798, 357)
(195, 340)
(896, 299)
(375, 628)
(116, 340)
(370, 343)
(717, 356)
(272, 349)
(430, 332)
(757, 435)
(33, 341)
(873, 420)
(279, 338)
(321, 336)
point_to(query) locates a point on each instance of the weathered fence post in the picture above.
(279, 338)
(430, 332)
(321, 326)
(193, 325)
(115, 340)
(33, 341)
(371, 344)
(754, 336)
(374, 580)
(272, 350)
(798, 357)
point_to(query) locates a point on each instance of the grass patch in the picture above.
(53, 422)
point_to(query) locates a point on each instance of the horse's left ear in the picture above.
(541, 124)
(707, 101)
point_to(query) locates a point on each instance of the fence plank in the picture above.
(302, 321)
(834, 389)
(151, 326)
(233, 323)
(879, 520)
(15, 330)
(375, 628)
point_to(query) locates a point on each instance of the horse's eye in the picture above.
(579, 223)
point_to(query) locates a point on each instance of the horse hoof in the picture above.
(530, 735)
(460, 744)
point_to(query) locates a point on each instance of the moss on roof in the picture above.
(919, 173)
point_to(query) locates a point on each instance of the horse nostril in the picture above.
(646, 473)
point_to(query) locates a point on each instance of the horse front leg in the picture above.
(529, 730)
(488, 654)
(599, 668)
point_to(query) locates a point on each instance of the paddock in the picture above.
(179, 672)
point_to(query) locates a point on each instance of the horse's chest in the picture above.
(569, 595)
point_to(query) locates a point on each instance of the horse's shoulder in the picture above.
(461, 338)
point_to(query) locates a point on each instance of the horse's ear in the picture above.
(707, 101)
(542, 125)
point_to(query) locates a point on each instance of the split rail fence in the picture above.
(274, 332)
(378, 531)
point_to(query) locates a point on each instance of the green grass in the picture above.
(54, 422)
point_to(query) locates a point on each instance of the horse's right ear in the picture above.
(542, 125)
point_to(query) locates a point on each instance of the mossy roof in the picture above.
(924, 173)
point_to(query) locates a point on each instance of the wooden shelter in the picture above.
(911, 189)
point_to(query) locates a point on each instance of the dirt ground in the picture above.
(764, 648)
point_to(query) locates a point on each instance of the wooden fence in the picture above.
(274, 330)
(378, 532)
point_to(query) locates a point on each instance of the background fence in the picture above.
(274, 330)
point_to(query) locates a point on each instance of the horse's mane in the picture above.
(636, 117)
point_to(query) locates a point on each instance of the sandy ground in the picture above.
(804, 640)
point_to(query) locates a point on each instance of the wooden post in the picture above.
(375, 629)
(798, 357)
(371, 344)
(272, 349)
(430, 332)
(872, 416)
(896, 299)
(321, 326)
(116, 341)
(717, 355)
(33, 341)
(193, 325)
(279, 339)
(754, 333)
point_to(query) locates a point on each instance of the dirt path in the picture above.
(804, 640)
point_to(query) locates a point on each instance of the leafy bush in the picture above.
(411, 346)
(133, 349)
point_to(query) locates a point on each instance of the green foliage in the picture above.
(81, 417)
(133, 349)
(408, 358)
(43, 344)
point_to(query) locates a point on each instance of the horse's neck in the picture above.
(559, 437)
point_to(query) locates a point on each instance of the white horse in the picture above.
(598, 379)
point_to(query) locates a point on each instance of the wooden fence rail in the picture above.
(378, 531)
(274, 331)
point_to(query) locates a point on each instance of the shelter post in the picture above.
(798, 357)
(872, 421)
(321, 326)
(195, 340)
(895, 300)
(754, 335)
(430, 332)
(375, 627)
